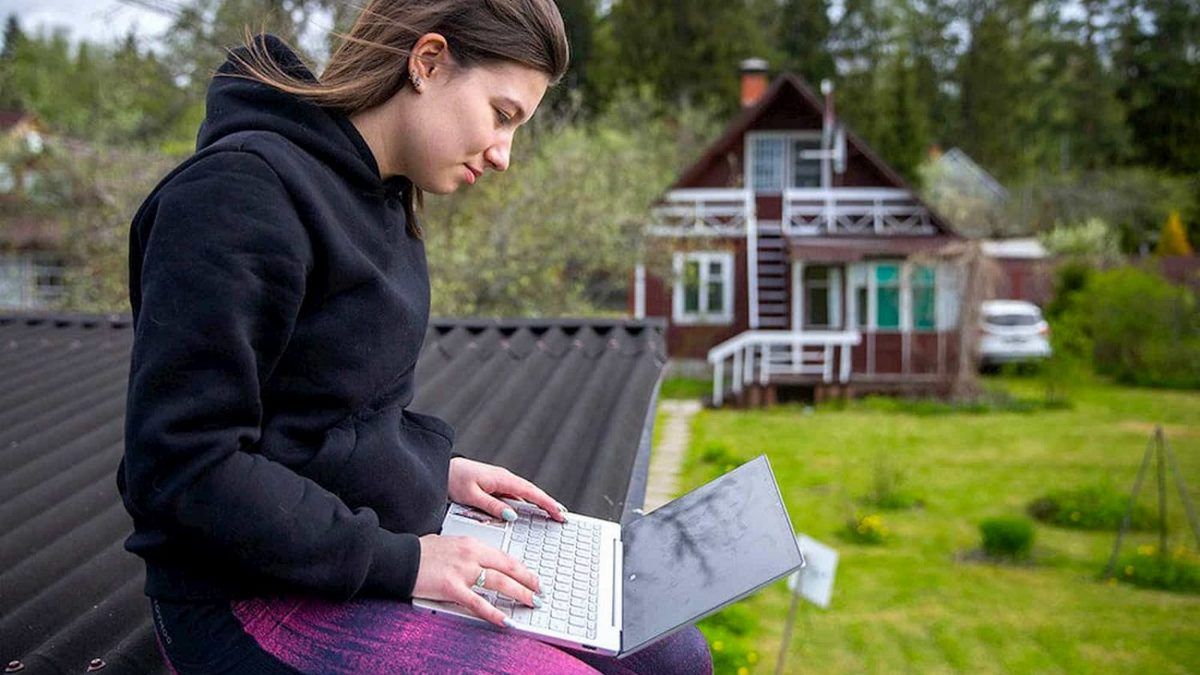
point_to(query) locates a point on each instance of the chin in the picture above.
(438, 188)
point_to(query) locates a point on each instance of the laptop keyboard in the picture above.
(566, 557)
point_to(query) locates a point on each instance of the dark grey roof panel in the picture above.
(567, 403)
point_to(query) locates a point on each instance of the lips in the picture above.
(472, 174)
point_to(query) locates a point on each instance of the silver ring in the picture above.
(482, 576)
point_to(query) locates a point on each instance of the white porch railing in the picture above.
(756, 355)
(704, 211)
(850, 211)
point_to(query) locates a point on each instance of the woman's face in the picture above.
(462, 120)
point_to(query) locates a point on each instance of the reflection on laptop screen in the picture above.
(704, 550)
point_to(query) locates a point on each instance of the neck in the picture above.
(370, 125)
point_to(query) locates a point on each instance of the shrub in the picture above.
(1007, 537)
(1149, 568)
(868, 529)
(1142, 330)
(888, 486)
(1096, 507)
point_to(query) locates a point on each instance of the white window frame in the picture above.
(704, 258)
(836, 286)
(19, 280)
(945, 303)
(788, 137)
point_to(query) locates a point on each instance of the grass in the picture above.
(920, 602)
(685, 388)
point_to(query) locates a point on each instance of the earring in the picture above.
(416, 80)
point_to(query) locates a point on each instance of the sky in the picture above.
(95, 20)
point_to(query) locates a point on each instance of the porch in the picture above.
(759, 357)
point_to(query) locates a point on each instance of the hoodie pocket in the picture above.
(391, 461)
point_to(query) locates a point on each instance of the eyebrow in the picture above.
(513, 103)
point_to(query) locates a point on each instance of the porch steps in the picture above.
(772, 275)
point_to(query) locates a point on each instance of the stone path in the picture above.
(666, 459)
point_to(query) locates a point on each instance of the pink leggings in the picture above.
(313, 635)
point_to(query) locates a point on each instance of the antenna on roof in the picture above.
(833, 132)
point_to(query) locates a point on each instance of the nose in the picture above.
(498, 155)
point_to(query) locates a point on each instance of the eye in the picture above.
(502, 118)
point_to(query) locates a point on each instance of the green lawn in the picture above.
(916, 604)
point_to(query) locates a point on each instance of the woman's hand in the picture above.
(450, 566)
(474, 484)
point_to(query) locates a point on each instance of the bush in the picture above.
(1096, 507)
(1007, 537)
(1142, 330)
(1149, 568)
(868, 529)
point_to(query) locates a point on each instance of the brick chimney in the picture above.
(754, 81)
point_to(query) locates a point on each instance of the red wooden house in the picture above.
(801, 258)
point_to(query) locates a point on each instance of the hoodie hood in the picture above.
(236, 104)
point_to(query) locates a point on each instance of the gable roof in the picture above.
(567, 403)
(785, 84)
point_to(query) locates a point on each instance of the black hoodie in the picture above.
(279, 305)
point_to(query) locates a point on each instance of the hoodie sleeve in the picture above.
(223, 260)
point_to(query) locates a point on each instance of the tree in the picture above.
(803, 35)
(1156, 54)
(1173, 240)
(906, 137)
(14, 37)
(991, 79)
(684, 50)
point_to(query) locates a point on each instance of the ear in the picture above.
(430, 57)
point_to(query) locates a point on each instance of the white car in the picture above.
(1012, 331)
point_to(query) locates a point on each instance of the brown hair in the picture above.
(364, 72)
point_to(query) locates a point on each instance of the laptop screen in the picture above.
(704, 550)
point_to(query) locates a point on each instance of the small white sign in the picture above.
(816, 579)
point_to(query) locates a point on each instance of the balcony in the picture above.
(703, 212)
(853, 211)
(805, 212)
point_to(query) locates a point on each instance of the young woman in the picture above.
(284, 499)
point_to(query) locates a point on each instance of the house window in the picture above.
(887, 296)
(806, 171)
(784, 159)
(822, 295)
(924, 298)
(30, 281)
(703, 288)
(901, 296)
(8, 179)
(768, 163)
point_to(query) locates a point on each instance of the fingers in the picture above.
(526, 583)
(478, 606)
(494, 506)
(513, 484)
(507, 586)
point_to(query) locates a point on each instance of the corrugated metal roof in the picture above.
(566, 403)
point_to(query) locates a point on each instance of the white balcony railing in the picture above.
(853, 211)
(805, 212)
(704, 211)
(756, 355)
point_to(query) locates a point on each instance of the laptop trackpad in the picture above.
(702, 551)
(464, 521)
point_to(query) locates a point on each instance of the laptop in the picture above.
(614, 590)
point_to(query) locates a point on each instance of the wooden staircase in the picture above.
(772, 274)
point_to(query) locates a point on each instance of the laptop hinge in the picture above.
(618, 593)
